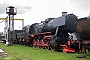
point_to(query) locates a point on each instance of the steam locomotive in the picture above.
(57, 34)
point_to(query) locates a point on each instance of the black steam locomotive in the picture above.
(54, 34)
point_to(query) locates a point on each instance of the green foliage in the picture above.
(18, 52)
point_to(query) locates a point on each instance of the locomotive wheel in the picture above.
(46, 47)
(63, 49)
(52, 49)
(34, 44)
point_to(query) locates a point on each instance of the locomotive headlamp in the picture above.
(11, 10)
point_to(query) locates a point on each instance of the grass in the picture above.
(30, 53)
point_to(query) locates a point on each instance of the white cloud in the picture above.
(38, 10)
(3, 7)
(81, 4)
(20, 9)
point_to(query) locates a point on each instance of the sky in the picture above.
(35, 11)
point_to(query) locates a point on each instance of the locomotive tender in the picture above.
(54, 34)
(83, 32)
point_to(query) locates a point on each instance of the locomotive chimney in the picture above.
(64, 13)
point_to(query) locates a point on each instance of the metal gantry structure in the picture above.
(6, 28)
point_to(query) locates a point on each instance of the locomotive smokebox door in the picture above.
(70, 23)
(60, 21)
